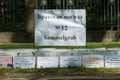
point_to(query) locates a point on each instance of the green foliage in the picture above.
(88, 45)
(104, 44)
(59, 70)
(16, 45)
(13, 15)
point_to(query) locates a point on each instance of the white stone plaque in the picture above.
(47, 62)
(112, 61)
(93, 61)
(24, 62)
(70, 61)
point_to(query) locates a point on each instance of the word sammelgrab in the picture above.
(65, 38)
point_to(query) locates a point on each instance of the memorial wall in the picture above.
(60, 28)
(54, 58)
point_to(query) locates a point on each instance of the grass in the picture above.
(103, 44)
(16, 45)
(17, 70)
(89, 45)
(59, 70)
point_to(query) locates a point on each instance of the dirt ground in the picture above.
(114, 75)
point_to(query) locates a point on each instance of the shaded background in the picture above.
(17, 18)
